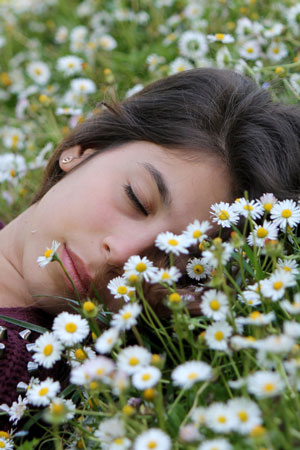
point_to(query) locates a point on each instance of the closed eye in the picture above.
(133, 198)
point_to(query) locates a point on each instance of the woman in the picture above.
(153, 163)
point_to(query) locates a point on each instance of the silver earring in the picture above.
(67, 159)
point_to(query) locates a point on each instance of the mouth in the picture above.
(76, 270)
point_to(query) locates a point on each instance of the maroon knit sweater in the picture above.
(13, 365)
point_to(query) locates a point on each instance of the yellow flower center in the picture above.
(4, 434)
(15, 140)
(248, 207)
(38, 71)
(119, 441)
(268, 206)
(277, 285)
(250, 50)
(88, 306)
(219, 335)
(243, 416)
(197, 234)
(287, 268)
(220, 36)
(215, 305)
(12, 173)
(71, 327)
(261, 232)
(165, 276)
(43, 391)
(80, 354)
(57, 409)
(222, 419)
(133, 361)
(269, 387)
(198, 269)
(48, 253)
(122, 290)
(152, 444)
(173, 242)
(127, 315)
(141, 267)
(174, 298)
(258, 431)
(223, 215)
(255, 315)
(2, 444)
(94, 385)
(276, 50)
(100, 371)
(286, 213)
(48, 349)
(146, 377)
(192, 375)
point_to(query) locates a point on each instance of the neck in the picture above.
(13, 288)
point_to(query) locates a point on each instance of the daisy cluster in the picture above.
(60, 57)
(222, 371)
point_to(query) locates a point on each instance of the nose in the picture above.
(118, 248)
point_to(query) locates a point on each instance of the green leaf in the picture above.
(23, 324)
(29, 445)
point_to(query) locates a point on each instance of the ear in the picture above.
(73, 156)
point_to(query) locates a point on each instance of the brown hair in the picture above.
(202, 111)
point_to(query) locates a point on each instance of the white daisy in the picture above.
(133, 358)
(47, 350)
(67, 111)
(189, 433)
(197, 268)
(215, 444)
(268, 230)
(214, 305)
(276, 344)
(220, 37)
(277, 51)
(99, 368)
(141, 267)
(289, 265)
(240, 342)
(256, 318)
(220, 418)
(107, 340)
(217, 254)
(217, 335)
(109, 430)
(247, 413)
(250, 297)
(169, 276)
(48, 254)
(146, 378)
(291, 329)
(41, 393)
(193, 10)
(153, 61)
(172, 243)
(61, 407)
(126, 318)
(134, 90)
(187, 374)
(119, 288)
(69, 64)
(248, 208)
(265, 384)
(153, 438)
(291, 308)
(275, 286)
(192, 44)
(198, 415)
(12, 167)
(275, 30)
(120, 443)
(286, 213)
(224, 214)
(197, 231)
(13, 138)
(70, 329)
(6, 444)
(16, 410)
(268, 201)
(79, 355)
(107, 42)
(83, 86)
(38, 72)
(61, 35)
(179, 65)
(250, 50)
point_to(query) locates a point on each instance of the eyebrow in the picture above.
(160, 182)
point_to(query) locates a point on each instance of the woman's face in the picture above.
(113, 206)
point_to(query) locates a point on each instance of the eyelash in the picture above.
(133, 198)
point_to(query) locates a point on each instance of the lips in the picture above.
(76, 270)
